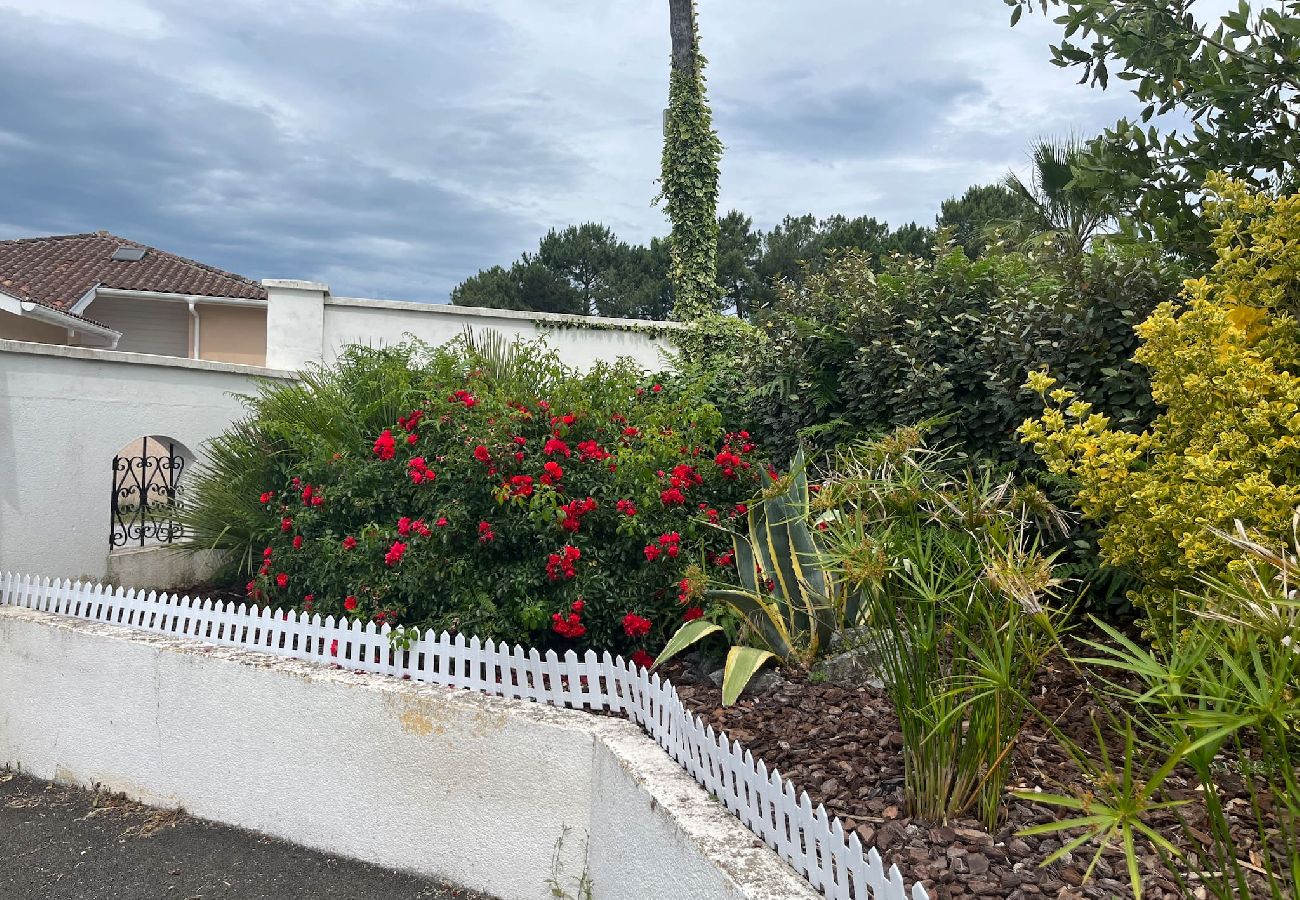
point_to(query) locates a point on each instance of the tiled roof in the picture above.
(57, 271)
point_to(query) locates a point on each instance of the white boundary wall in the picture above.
(470, 788)
(65, 412)
(305, 324)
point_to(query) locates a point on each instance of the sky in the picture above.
(391, 148)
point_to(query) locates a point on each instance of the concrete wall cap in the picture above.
(447, 309)
(140, 359)
(292, 284)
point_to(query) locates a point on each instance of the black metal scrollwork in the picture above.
(146, 496)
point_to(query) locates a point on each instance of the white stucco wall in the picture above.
(581, 341)
(472, 789)
(64, 413)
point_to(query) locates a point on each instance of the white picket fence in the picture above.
(812, 841)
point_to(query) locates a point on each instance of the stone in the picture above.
(762, 683)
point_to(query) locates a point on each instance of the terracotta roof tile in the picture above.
(57, 271)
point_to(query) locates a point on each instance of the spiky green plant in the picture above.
(956, 599)
(1221, 693)
(789, 602)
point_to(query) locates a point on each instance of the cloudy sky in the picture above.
(393, 147)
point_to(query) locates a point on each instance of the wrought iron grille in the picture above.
(146, 496)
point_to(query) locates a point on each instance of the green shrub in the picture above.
(486, 489)
(850, 353)
(1226, 442)
(1221, 703)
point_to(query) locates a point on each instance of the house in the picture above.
(101, 290)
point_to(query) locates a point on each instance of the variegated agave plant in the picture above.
(788, 598)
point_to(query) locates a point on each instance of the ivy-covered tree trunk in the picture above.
(690, 173)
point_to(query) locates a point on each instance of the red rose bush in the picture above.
(494, 492)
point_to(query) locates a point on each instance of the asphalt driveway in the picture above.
(61, 843)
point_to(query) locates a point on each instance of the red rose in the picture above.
(635, 626)
(481, 454)
(286, 524)
(555, 445)
(267, 496)
(394, 554)
(385, 446)
(282, 580)
(419, 470)
(657, 388)
(672, 497)
(485, 532)
(692, 614)
(349, 542)
(625, 507)
(569, 626)
(652, 552)
(560, 566)
(642, 659)
(553, 473)
(404, 525)
(297, 542)
(350, 603)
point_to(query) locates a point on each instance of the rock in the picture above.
(978, 863)
(762, 683)
(852, 668)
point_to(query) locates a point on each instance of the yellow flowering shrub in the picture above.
(1223, 365)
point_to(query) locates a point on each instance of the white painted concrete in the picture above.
(295, 312)
(476, 790)
(160, 567)
(65, 412)
(580, 340)
(306, 325)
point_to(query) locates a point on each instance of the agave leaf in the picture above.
(742, 663)
(686, 635)
(763, 615)
(777, 552)
(798, 492)
(745, 562)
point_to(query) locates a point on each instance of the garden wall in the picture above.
(473, 789)
(64, 413)
(306, 324)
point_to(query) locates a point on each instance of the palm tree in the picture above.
(1057, 208)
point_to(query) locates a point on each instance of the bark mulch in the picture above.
(842, 745)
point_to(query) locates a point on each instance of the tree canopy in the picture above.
(1234, 78)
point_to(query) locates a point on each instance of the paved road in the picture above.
(59, 843)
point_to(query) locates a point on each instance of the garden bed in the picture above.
(842, 745)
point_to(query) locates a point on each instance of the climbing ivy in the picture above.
(690, 189)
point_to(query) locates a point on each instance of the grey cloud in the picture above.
(393, 147)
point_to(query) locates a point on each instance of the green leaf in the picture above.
(742, 663)
(688, 634)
